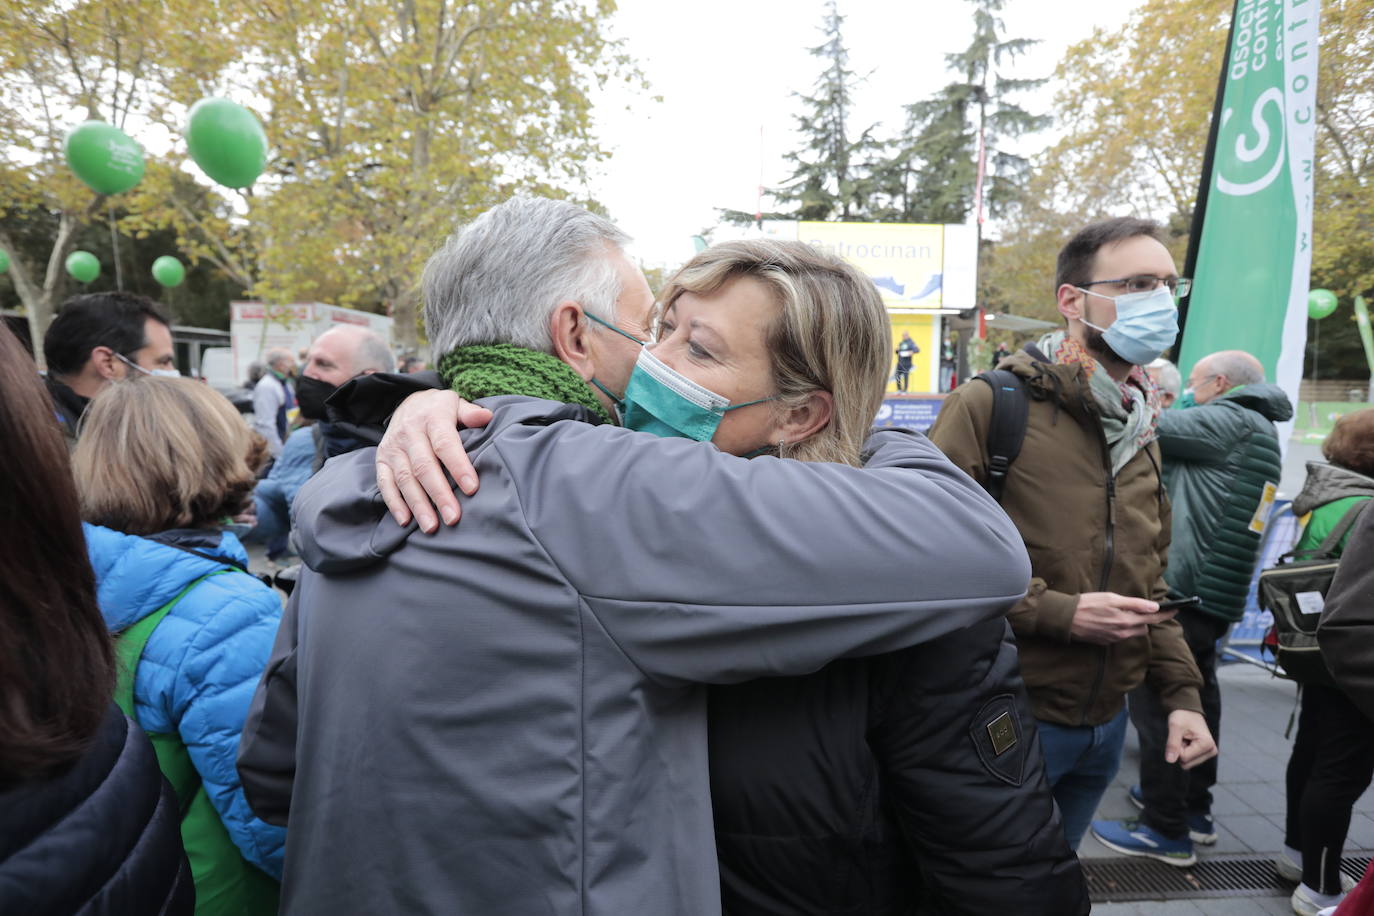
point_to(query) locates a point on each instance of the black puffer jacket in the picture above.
(874, 786)
(102, 839)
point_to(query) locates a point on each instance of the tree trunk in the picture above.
(40, 302)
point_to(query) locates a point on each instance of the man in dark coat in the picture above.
(1221, 468)
(97, 339)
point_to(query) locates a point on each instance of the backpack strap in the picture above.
(130, 643)
(1327, 548)
(1007, 428)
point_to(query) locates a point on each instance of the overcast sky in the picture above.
(726, 70)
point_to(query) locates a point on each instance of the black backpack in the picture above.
(1294, 591)
(1007, 428)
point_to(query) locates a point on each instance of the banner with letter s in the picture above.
(1250, 253)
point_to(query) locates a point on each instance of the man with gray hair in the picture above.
(506, 716)
(273, 399)
(1167, 379)
(1221, 468)
(339, 354)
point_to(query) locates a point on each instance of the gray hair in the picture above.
(498, 279)
(365, 348)
(277, 355)
(372, 353)
(1169, 377)
(1239, 367)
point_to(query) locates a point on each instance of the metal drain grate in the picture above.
(1120, 880)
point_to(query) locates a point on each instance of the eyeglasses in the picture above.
(1145, 283)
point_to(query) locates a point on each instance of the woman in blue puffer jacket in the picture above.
(159, 464)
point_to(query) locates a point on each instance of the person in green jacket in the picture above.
(1221, 469)
(1333, 754)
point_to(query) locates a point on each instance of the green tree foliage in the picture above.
(931, 173)
(61, 64)
(828, 180)
(389, 121)
(1133, 111)
(201, 300)
(394, 119)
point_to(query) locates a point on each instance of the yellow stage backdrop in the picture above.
(905, 263)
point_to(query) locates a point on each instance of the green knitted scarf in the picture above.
(488, 370)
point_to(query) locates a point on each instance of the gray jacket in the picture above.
(502, 717)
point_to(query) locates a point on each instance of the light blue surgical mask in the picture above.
(160, 373)
(664, 402)
(1146, 324)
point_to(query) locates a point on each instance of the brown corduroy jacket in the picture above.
(1085, 531)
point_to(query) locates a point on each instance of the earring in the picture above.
(781, 443)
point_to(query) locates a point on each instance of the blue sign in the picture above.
(909, 413)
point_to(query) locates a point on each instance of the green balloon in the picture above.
(83, 266)
(1320, 303)
(4, 260)
(104, 157)
(226, 141)
(168, 271)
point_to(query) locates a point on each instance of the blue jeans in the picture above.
(1081, 762)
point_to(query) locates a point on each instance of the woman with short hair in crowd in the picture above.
(161, 465)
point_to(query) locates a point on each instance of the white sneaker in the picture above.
(1288, 869)
(1304, 901)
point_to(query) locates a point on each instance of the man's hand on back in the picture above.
(1106, 617)
(420, 442)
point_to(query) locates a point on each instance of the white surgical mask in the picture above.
(161, 373)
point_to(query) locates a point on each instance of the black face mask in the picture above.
(311, 393)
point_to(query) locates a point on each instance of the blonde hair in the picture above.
(832, 334)
(160, 453)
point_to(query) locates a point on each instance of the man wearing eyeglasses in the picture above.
(1086, 492)
(99, 338)
(1221, 467)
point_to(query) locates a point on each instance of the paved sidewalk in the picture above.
(1249, 798)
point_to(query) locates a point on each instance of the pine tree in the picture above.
(932, 174)
(828, 179)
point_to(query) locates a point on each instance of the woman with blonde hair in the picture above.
(874, 785)
(161, 464)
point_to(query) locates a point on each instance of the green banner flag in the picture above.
(1366, 338)
(1250, 254)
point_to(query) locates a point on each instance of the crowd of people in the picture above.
(624, 607)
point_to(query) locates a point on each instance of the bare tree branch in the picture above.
(223, 258)
(1347, 160)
